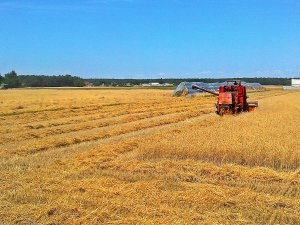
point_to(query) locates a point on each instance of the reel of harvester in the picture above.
(232, 98)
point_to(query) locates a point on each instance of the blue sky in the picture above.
(151, 38)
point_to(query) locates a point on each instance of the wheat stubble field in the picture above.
(143, 157)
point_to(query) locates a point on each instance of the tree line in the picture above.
(125, 82)
(12, 80)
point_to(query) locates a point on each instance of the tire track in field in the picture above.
(288, 188)
(272, 216)
(278, 189)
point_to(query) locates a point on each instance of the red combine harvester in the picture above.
(232, 98)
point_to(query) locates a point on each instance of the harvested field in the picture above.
(140, 156)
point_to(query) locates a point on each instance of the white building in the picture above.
(296, 82)
(155, 84)
(295, 85)
(152, 85)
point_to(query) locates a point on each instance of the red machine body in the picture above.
(232, 98)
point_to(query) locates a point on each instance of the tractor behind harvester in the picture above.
(232, 98)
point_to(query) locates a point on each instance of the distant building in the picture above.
(295, 85)
(296, 82)
(155, 84)
(88, 84)
(152, 85)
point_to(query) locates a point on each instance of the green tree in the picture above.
(78, 82)
(1, 79)
(12, 80)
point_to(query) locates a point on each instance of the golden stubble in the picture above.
(144, 157)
